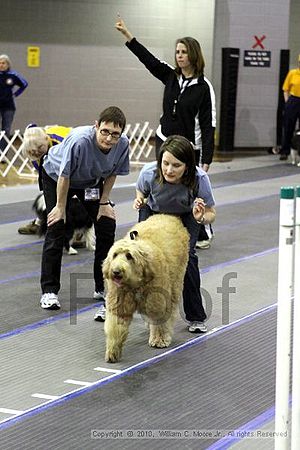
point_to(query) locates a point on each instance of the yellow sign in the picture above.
(33, 56)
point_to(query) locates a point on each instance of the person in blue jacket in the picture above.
(12, 84)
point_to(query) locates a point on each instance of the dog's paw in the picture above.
(112, 357)
(160, 342)
(91, 248)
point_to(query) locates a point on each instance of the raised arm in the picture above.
(121, 26)
(159, 69)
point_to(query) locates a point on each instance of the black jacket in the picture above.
(187, 105)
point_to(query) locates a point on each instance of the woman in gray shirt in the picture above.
(174, 185)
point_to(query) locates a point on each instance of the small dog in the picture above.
(78, 222)
(144, 272)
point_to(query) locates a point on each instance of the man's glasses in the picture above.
(114, 135)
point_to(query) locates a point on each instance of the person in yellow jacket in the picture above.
(37, 141)
(291, 93)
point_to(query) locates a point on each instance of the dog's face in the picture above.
(127, 264)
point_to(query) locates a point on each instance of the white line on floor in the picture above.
(45, 396)
(105, 369)
(78, 382)
(10, 411)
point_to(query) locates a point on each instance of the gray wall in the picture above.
(236, 24)
(294, 32)
(86, 67)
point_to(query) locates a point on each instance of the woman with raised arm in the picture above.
(188, 102)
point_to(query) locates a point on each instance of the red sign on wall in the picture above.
(258, 42)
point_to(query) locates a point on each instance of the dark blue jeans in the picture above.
(7, 117)
(192, 299)
(291, 114)
(105, 229)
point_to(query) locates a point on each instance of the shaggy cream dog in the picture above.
(144, 272)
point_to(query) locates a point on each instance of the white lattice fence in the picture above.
(139, 139)
(12, 156)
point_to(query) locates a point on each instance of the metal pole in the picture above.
(295, 439)
(284, 315)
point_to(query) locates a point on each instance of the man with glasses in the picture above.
(85, 164)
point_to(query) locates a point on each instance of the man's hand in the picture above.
(107, 211)
(55, 215)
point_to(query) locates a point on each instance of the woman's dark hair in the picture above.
(194, 53)
(182, 149)
(113, 114)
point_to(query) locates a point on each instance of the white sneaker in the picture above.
(197, 327)
(49, 301)
(100, 314)
(99, 296)
(203, 244)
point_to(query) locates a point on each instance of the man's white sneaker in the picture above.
(99, 296)
(197, 327)
(49, 301)
(100, 314)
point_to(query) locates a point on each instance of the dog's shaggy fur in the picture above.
(77, 222)
(144, 272)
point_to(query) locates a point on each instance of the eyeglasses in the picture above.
(114, 135)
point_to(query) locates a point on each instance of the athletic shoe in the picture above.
(197, 327)
(99, 296)
(30, 228)
(49, 301)
(100, 313)
(203, 244)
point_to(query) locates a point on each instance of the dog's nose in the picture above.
(116, 273)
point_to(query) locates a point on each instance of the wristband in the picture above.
(107, 203)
